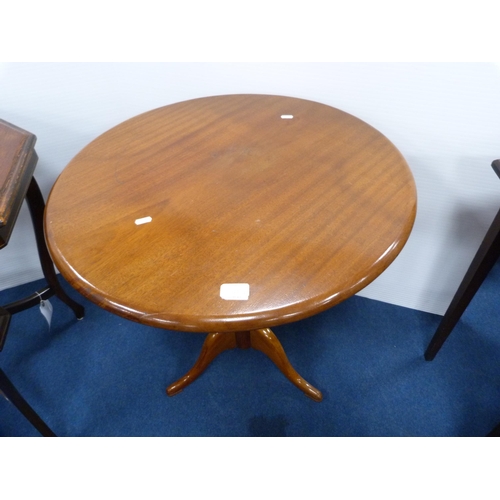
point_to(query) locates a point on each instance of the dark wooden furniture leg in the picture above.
(17, 184)
(481, 265)
(36, 207)
(13, 395)
(484, 260)
(495, 432)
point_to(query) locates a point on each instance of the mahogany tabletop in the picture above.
(298, 203)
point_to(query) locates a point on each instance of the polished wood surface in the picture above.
(18, 160)
(263, 340)
(307, 210)
(17, 164)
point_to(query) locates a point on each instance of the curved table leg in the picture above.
(214, 344)
(263, 340)
(266, 341)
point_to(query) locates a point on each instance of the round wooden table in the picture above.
(229, 215)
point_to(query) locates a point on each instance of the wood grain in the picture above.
(17, 164)
(307, 211)
(263, 340)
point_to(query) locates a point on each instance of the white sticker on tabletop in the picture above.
(235, 291)
(143, 220)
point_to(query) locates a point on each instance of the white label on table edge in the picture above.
(235, 291)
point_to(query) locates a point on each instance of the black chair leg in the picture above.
(495, 432)
(20, 403)
(36, 205)
(484, 260)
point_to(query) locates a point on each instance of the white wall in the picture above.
(444, 118)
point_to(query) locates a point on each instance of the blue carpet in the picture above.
(106, 376)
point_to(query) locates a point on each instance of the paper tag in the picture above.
(235, 291)
(143, 220)
(46, 309)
